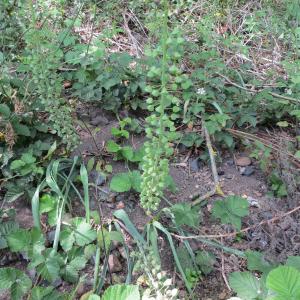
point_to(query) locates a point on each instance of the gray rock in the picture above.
(56, 283)
(243, 161)
(99, 121)
(247, 171)
(50, 236)
(100, 179)
(196, 165)
(114, 263)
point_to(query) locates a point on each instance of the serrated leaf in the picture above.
(185, 214)
(17, 164)
(205, 260)
(120, 183)
(50, 265)
(127, 152)
(136, 179)
(4, 110)
(231, 210)
(256, 262)
(19, 240)
(245, 285)
(285, 282)
(124, 292)
(84, 234)
(15, 280)
(67, 239)
(45, 293)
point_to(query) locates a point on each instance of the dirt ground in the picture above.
(277, 239)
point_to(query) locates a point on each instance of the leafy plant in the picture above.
(231, 210)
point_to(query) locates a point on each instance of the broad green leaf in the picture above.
(17, 164)
(15, 280)
(50, 265)
(256, 262)
(245, 285)
(84, 234)
(47, 203)
(71, 271)
(19, 240)
(127, 152)
(28, 158)
(112, 147)
(121, 291)
(185, 214)
(45, 293)
(67, 239)
(231, 210)
(285, 282)
(21, 129)
(135, 178)
(4, 110)
(120, 183)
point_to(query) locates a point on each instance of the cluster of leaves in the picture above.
(276, 282)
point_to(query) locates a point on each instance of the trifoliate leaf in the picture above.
(185, 214)
(121, 291)
(231, 210)
(120, 183)
(285, 282)
(245, 285)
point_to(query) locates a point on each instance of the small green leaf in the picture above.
(282, 124)
(120, 183)
(90, 164)
(21, 129)
(113, 147)
(127, 152)
(17, 164)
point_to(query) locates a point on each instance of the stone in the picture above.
(50, 236)
(243, 161)
(120, 205)
(122, 252)
(100, 179)
(114, 264)
(252, 201)
(221, 172)
(99, 121)
(247, 171)
(196, 165)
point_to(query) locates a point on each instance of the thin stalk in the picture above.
(96, 269)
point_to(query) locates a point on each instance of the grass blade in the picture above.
(85, 183)
(169, 237)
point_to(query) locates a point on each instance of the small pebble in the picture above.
(243, 161)
(196, 165)
(120, 205)
(247, 171)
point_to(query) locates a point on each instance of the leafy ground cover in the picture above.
(149, 150)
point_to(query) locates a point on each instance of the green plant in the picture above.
(276, 282)
(231, 210)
